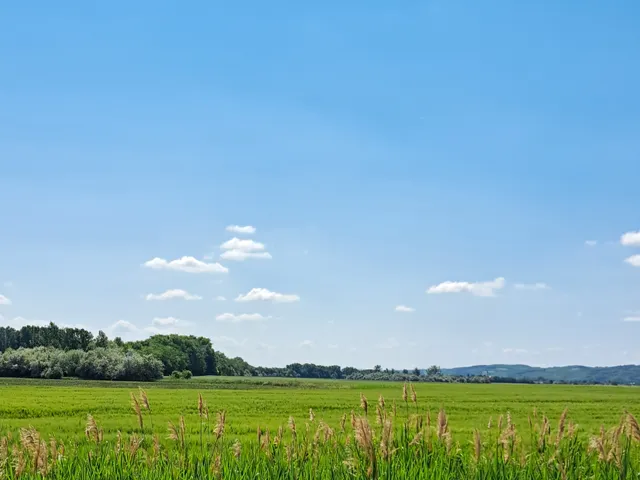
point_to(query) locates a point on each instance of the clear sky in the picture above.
(379, 149)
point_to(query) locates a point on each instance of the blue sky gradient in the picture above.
(379, 149)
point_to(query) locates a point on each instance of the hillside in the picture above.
(623, 374)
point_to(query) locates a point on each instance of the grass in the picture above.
(60, 408)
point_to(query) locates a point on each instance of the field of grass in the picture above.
(60, 409)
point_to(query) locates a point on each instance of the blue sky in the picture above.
(379, 149)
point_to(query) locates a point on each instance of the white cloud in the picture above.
(238, 229)
(332, 346)
(123, 326)
(404, 308)
(514, 350)
(228, 341)
(389, 343)
(263, 294)
(591, 243)
(555, 349)
(167, 325)
(265, 346)
(306, 343)
(220, 298)
(240, 250)
(241, 255)
(630, 239)
(185, 264)
(165, 321)
(174, 293)
(19, 322)
(242, 244)
(4, 300)
(631, 319)
(243, 317)
(480, 289)
(633, 260)
(532, 286)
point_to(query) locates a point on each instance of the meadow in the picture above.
(432, 431)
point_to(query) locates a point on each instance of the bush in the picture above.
(186, 374)
(176, 374)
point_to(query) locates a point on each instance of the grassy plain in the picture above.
(60, 408)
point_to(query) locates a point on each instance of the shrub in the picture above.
(176, 374)
(186, 374)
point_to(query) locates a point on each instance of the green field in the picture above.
(61, 407)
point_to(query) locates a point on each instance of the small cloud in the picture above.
(591, 243)
(220, 298)
(243, 317)
(389, 343)
(514, 350)
(185, 264)
(265, 346)
(532, 286)
(631, 319)
(630, 239)
(263, 294)
(555, 349)
(306, 344)
(633, 260)
(412, 344)
(167, 325)
(175, 293)
(479, 289)
(228, 341)
(332, 346)
(241, 255)
(241, 249)
(579, 314)
(247, 230)
(123, 326)
(165, 321)
(404, 308)
(488, 344)
(331, 322)
(4, 300)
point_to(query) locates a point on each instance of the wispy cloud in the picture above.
(306, 344)
(8, 284)
(479, 289)
(228, 341)
(532, 286)
(242, 317)
(633, 318)
(404, 308)
(171, 294)
(263, 294)
(242, 249)
(591, 243)
(633, 260)
(332, 346)
(514, 350)
(389, 343)
(248, 229)
(220, 298)
(185, 264)
(4, 300)
(630, 239)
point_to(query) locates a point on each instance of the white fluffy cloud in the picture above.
(248, 229)
(480, 289)
(123, 326)
(4, 300)
(241, 255)
(404, 308)
(243, 317)
(165, 321)
(633, 318)
(220, 298)
(633, 260)
(242, 249)
(630, 239)
(174, 293)
(185, 264)
(263, 294)
(532, 286)
(591, 243)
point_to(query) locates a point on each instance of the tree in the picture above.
(102, 341)
(377, 368)
(416, 372)
(405, 371)
(434, 371)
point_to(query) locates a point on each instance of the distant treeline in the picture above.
(54, 352)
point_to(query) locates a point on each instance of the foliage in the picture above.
(186, 374)
(97, 364)
(31, 336)
(179, 352)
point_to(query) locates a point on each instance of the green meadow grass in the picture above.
(60, 407)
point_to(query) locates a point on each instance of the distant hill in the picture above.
(623, 374)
